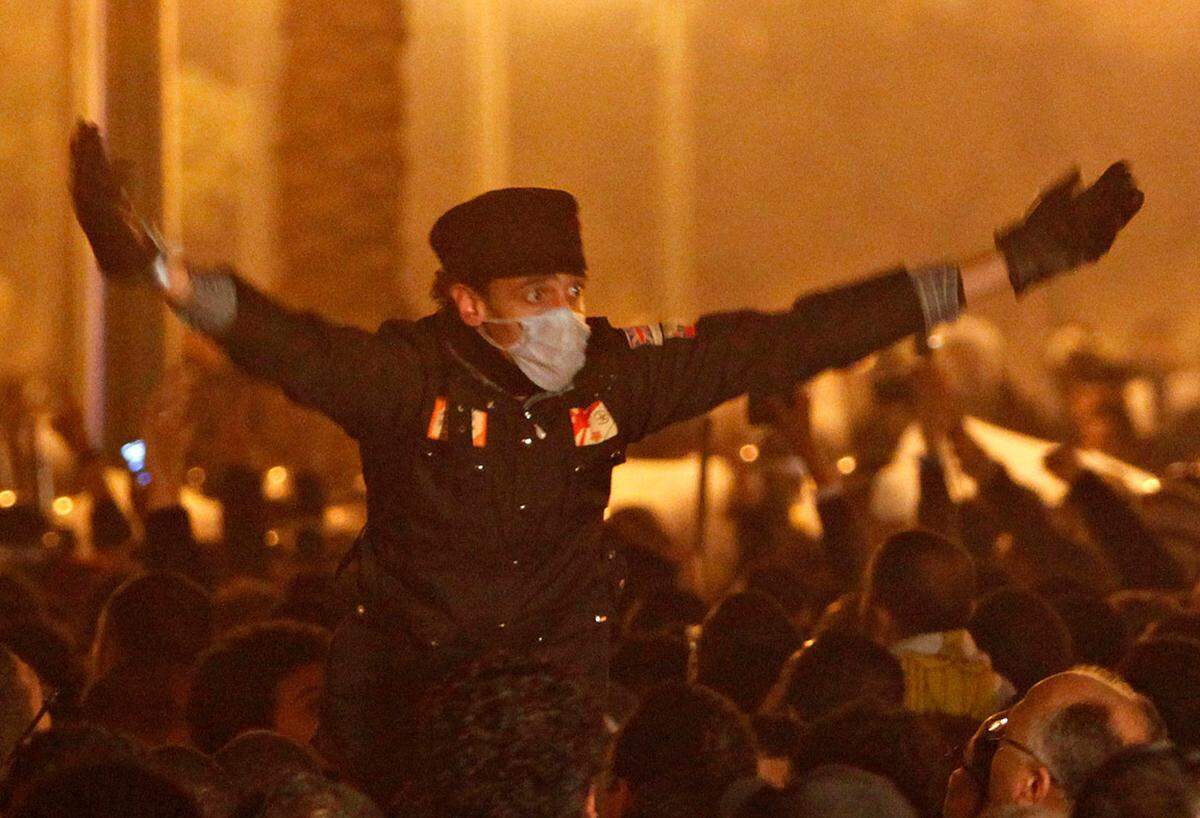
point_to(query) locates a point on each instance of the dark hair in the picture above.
(145, 701)
(61, 748)
(506, 736)
(665, 607)
(199, 776)
(158, 617)
(120, 788)
(257, 760)
(680, 751)
(743, 646)
(234, 685)
(16, 704)
(1167, 671)
(923, 580)
(304, 794)
(839, 668)
(646, 660)
(1141, 782)
(1023, 635)
(903, 747)
(1140, 608)
(48, 650)
(1097, 634)
(1185, 624)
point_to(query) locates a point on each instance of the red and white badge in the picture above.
(593, 424)
(437, 421)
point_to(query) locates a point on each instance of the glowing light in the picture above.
(275, 485)
(847, 465)
(337, 517)
(1151, 485)
(748, 453)
(196, 477)
(277, 475)
(8, 498)
(935, 340)
(271, 538)
(63, 506)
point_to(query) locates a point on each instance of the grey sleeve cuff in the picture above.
(213, 305)
(939, 289)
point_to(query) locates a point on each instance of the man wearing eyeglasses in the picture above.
(1039, 753)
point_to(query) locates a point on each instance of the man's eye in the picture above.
(576, 291)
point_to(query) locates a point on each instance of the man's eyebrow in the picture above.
(537, 279)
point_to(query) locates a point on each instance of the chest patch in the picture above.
(438, 430)
(437, 421)
(592, 424)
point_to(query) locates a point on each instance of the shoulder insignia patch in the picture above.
(677, 330)
(645, 335)
(655, 334)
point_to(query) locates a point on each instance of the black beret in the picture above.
(516, 231)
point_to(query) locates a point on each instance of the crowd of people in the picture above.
(1001, 658)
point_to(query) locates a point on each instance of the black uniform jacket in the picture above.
(485, 494)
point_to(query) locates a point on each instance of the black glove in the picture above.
(119, 242)
(1068, 227)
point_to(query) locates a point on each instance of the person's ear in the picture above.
(1036, 785)
(472, 308)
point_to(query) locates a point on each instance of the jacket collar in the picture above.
(481, 359)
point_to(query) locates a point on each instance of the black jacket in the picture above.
(486, 495)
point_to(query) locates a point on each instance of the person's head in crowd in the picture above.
(20, 599)
(1185, 624)
(843, 615)
(305, 795)
(743, 646)
(843, 791)
(802, 590)
(199, 776)
(1023, 635)
(1167, 671)
(645, 660)
(1097, 633)
(1142, 782)
(312, 596)
(153, 618)
(48, 753)
(123, 788)
(1139, 609)
(677, 755)
(48, 650)
(838, 668)
(20, 701)
(243, 601)
(506, 736)
(901, 746)
(665, 607)
(917, 582)
(1061, 733)
(257, 760)
(144, 701)
(268, 676)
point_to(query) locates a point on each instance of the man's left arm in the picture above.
(680, 372)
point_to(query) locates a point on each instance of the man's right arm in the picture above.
(363, 381)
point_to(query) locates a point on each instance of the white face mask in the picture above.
(552, 346)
